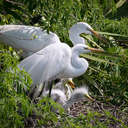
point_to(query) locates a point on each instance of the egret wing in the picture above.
(28, 38)
(47, 64)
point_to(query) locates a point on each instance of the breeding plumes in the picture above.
(28, 38)
(56, 61)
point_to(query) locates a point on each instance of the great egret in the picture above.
(32, 39)
(56, 61)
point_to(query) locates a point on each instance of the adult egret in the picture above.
(55, 61)
(32, 39)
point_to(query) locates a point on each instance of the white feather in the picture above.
(28, 38)
(55, 61)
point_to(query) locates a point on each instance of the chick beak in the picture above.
(98, 35)
(90, 98)
(71, 83)
(95, 50)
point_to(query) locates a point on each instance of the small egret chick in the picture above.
(78, 94)
(57, 95)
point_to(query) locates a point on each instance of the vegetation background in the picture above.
(107, 76)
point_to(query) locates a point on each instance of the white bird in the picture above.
(57, 95)
(55, 61)
(79, 93)
(32, 39)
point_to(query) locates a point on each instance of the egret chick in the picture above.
(78, 94)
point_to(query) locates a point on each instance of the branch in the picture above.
(15, 3)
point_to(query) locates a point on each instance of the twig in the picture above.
(12, 2)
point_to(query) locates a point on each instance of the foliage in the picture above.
(107, 76)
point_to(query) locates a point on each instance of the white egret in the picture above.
(79, 93)
(32, 39)
(55, 61)
(57, 95)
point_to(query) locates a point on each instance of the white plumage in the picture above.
(77, 29)
(55, 61)
(52, 59)
(32, 39)
(78, 94)
(28, 38)
(64, 86)
(59, 96)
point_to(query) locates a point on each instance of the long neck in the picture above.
(78, 65)
(74, 36)
(76, 30)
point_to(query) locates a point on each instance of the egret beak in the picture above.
(90, 98)
(98, 35)
(71, 83)
(95, 50)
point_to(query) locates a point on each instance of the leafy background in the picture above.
(106, 77)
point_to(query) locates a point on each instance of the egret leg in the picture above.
(50, 87)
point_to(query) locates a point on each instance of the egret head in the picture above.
(80, 93)
(82, 48)
(80, 28)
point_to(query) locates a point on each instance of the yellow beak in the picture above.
(95, 50)
(71, 83)
(98, 35)
(90, 98)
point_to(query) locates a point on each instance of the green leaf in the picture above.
(112, 34)
(97, 59)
